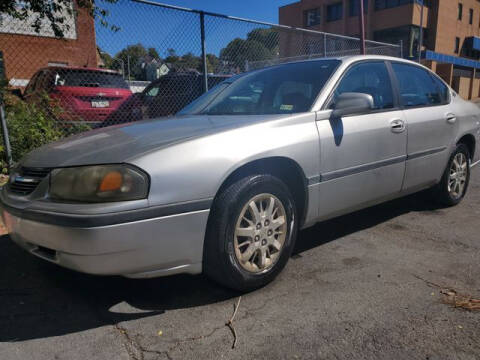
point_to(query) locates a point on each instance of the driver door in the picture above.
(362, 157)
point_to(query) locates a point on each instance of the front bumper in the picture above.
(144, 248)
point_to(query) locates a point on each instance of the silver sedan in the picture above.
(224, 186)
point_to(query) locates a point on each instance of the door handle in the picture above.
(397, 125)
(451, 118)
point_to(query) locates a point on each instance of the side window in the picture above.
(369, 78)
(31, 84)
(153, 91)
(442, 88)
(417, 87)
(37, 86)
(174, 86)
(48, 80)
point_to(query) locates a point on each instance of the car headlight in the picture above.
(99, 183)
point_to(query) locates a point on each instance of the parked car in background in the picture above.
(224, 186)
(172, 92)
(88, 95)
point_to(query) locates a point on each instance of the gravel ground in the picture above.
(358, 287)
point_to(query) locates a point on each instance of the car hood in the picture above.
(120, 143)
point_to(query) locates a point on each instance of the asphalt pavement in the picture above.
(363, 286)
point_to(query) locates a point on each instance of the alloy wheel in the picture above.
(260, 233)
(458, 175)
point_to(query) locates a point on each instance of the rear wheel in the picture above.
(251, 233)
(454, 184)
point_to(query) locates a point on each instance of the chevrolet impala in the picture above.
(224, 186)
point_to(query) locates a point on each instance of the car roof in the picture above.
(349, 59)
(354, 58)
(180, 75)
(109, 71)
(193, 74)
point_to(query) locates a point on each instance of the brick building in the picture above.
(451, 42)
(25, 51)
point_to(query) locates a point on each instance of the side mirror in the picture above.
(352, 103)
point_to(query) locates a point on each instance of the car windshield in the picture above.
(88, 78)
(284, 89)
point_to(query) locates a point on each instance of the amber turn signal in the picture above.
(111, 181)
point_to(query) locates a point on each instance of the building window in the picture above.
(457, 45)
(355, 7)
(387, 4)
(460, 11)
(407, 35)
(470, 16)
(312, 17)
(334, 11)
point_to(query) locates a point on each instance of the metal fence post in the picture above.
(6, 139)
(204, 54)
(128, 65)
(324, 45)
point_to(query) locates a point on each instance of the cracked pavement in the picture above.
(356, 288)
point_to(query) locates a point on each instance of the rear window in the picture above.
(171, 86)
(88, 78)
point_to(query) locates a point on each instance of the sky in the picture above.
(162, 29)
(262, 10)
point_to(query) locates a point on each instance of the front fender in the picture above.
(196, 169)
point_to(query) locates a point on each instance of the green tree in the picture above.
(267, 37)
(212, 63)
(131, 56)
(55, 12)
(153, 53)
(172, 56)
(260, 44)
(190, 61)
(238, 51)
(106, 58)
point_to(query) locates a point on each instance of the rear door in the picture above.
(362, 156)
(431, 124)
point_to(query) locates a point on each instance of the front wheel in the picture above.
(454, 184)
(251, 233)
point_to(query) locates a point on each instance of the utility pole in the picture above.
(420, 35)
(361, 22)
(128, 67)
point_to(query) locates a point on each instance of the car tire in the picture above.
(235, 231)
(454, 183)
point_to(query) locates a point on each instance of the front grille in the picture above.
(26, 180)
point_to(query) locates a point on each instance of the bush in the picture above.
(32, 125)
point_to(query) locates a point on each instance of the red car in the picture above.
(90, 95)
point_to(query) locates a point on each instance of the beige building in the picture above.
(451, 29)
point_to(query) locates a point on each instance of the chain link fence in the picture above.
(155, 60)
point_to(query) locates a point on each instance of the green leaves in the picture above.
(260, 44)
(56, 12)
(33, 125)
